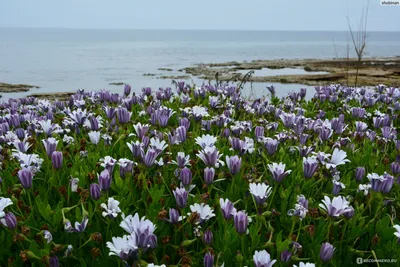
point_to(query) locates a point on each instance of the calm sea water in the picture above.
(67, 59)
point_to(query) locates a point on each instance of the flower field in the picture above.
(201, 176)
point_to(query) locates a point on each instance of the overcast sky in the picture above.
(204, 14)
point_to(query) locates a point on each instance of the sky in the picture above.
(297, 15)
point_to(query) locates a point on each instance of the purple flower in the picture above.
(360, 173)
(186, 176)
(123, 115)
(387, 184)
(241, 222)
(150, 157)
(358, 112)
(326, 252)
(337, 186)
(271, 145)
(324, 133)
(336, 207)
(350, 213)
(278, 171)
(300, 209)
(209, 174)
(227, 208)
(303, 92)
(110, 112)
(210, 156)
(286, 256)
(136, 149)
(182, 160)
(9, 221)
(53, 261)
(259, 132)
(108, 163)
(395, 168)
(260, 192)
(95, 191)
(79, 227)
(208, 260)
(262, 259)
(104, 180)
(25, 177)
(127, 90)
(181, 133)
(181, 197)
(57, 159)
(173, 216)
(50, 145)
(125, 167)
(271, 89)
(208, 237)
(234, 163)
(185, 123)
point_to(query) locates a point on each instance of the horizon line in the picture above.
(161, 29)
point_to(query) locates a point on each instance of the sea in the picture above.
(64, 60)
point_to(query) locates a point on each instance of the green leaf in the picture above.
(186, 243)
(44, 209)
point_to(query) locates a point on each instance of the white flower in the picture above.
(374, 176)
(28, 160)
(278, 171)
(204, 211)
(336, 182)
(68, 139)
(181, 159)
(302, 264)
(338, 158)
(111, 209)
(336, 207)
(364, 187)
(74, 184)
(262, 258)
(211, 157)
(68, 251)
(260, 191)
(206, 141)
(94, 137)
(132, 224)
(156, 144)
(397, 233)
(107, 161)
(152, 265)
(47, 236)
(249, 145)
(4, 202)
(122, 246)
(160, 162)
(199, 111)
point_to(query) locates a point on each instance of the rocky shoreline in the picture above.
(372, 71)
(314, 72)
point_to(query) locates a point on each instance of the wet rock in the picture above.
(372, 71)
(117, 83)
(14, 88)
(61, 96)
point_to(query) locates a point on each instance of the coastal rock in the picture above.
(14, 88)
(372, 71)
(61, 96)
(117, 83)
